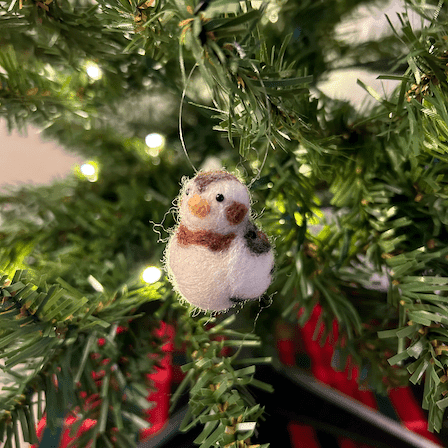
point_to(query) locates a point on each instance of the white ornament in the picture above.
(216, 257)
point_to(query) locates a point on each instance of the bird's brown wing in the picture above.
(256, 240)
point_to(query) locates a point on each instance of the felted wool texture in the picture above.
(216, 257)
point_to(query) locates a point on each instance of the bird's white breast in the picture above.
(208, 279)
(200, 275)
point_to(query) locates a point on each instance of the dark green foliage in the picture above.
(218, 394)
(51, 336)
(347, 198)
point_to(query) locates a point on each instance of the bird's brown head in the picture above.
(214, 200)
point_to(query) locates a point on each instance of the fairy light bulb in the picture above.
(93, 71)
(151, 274)
(155, 143)
(89, 171)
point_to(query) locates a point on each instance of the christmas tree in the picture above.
(151, 91)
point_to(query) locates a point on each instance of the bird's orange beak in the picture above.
(198, 206)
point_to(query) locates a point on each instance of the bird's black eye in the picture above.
(251, 234)
(187, 191)
(219, 197)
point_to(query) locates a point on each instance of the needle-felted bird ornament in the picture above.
(216, 257)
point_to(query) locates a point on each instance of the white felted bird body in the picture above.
(216, 257)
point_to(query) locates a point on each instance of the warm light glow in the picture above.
(96, 285)
(89, 171)
(155, 143)
(151, 274)
(273, 17)
(93, 71)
